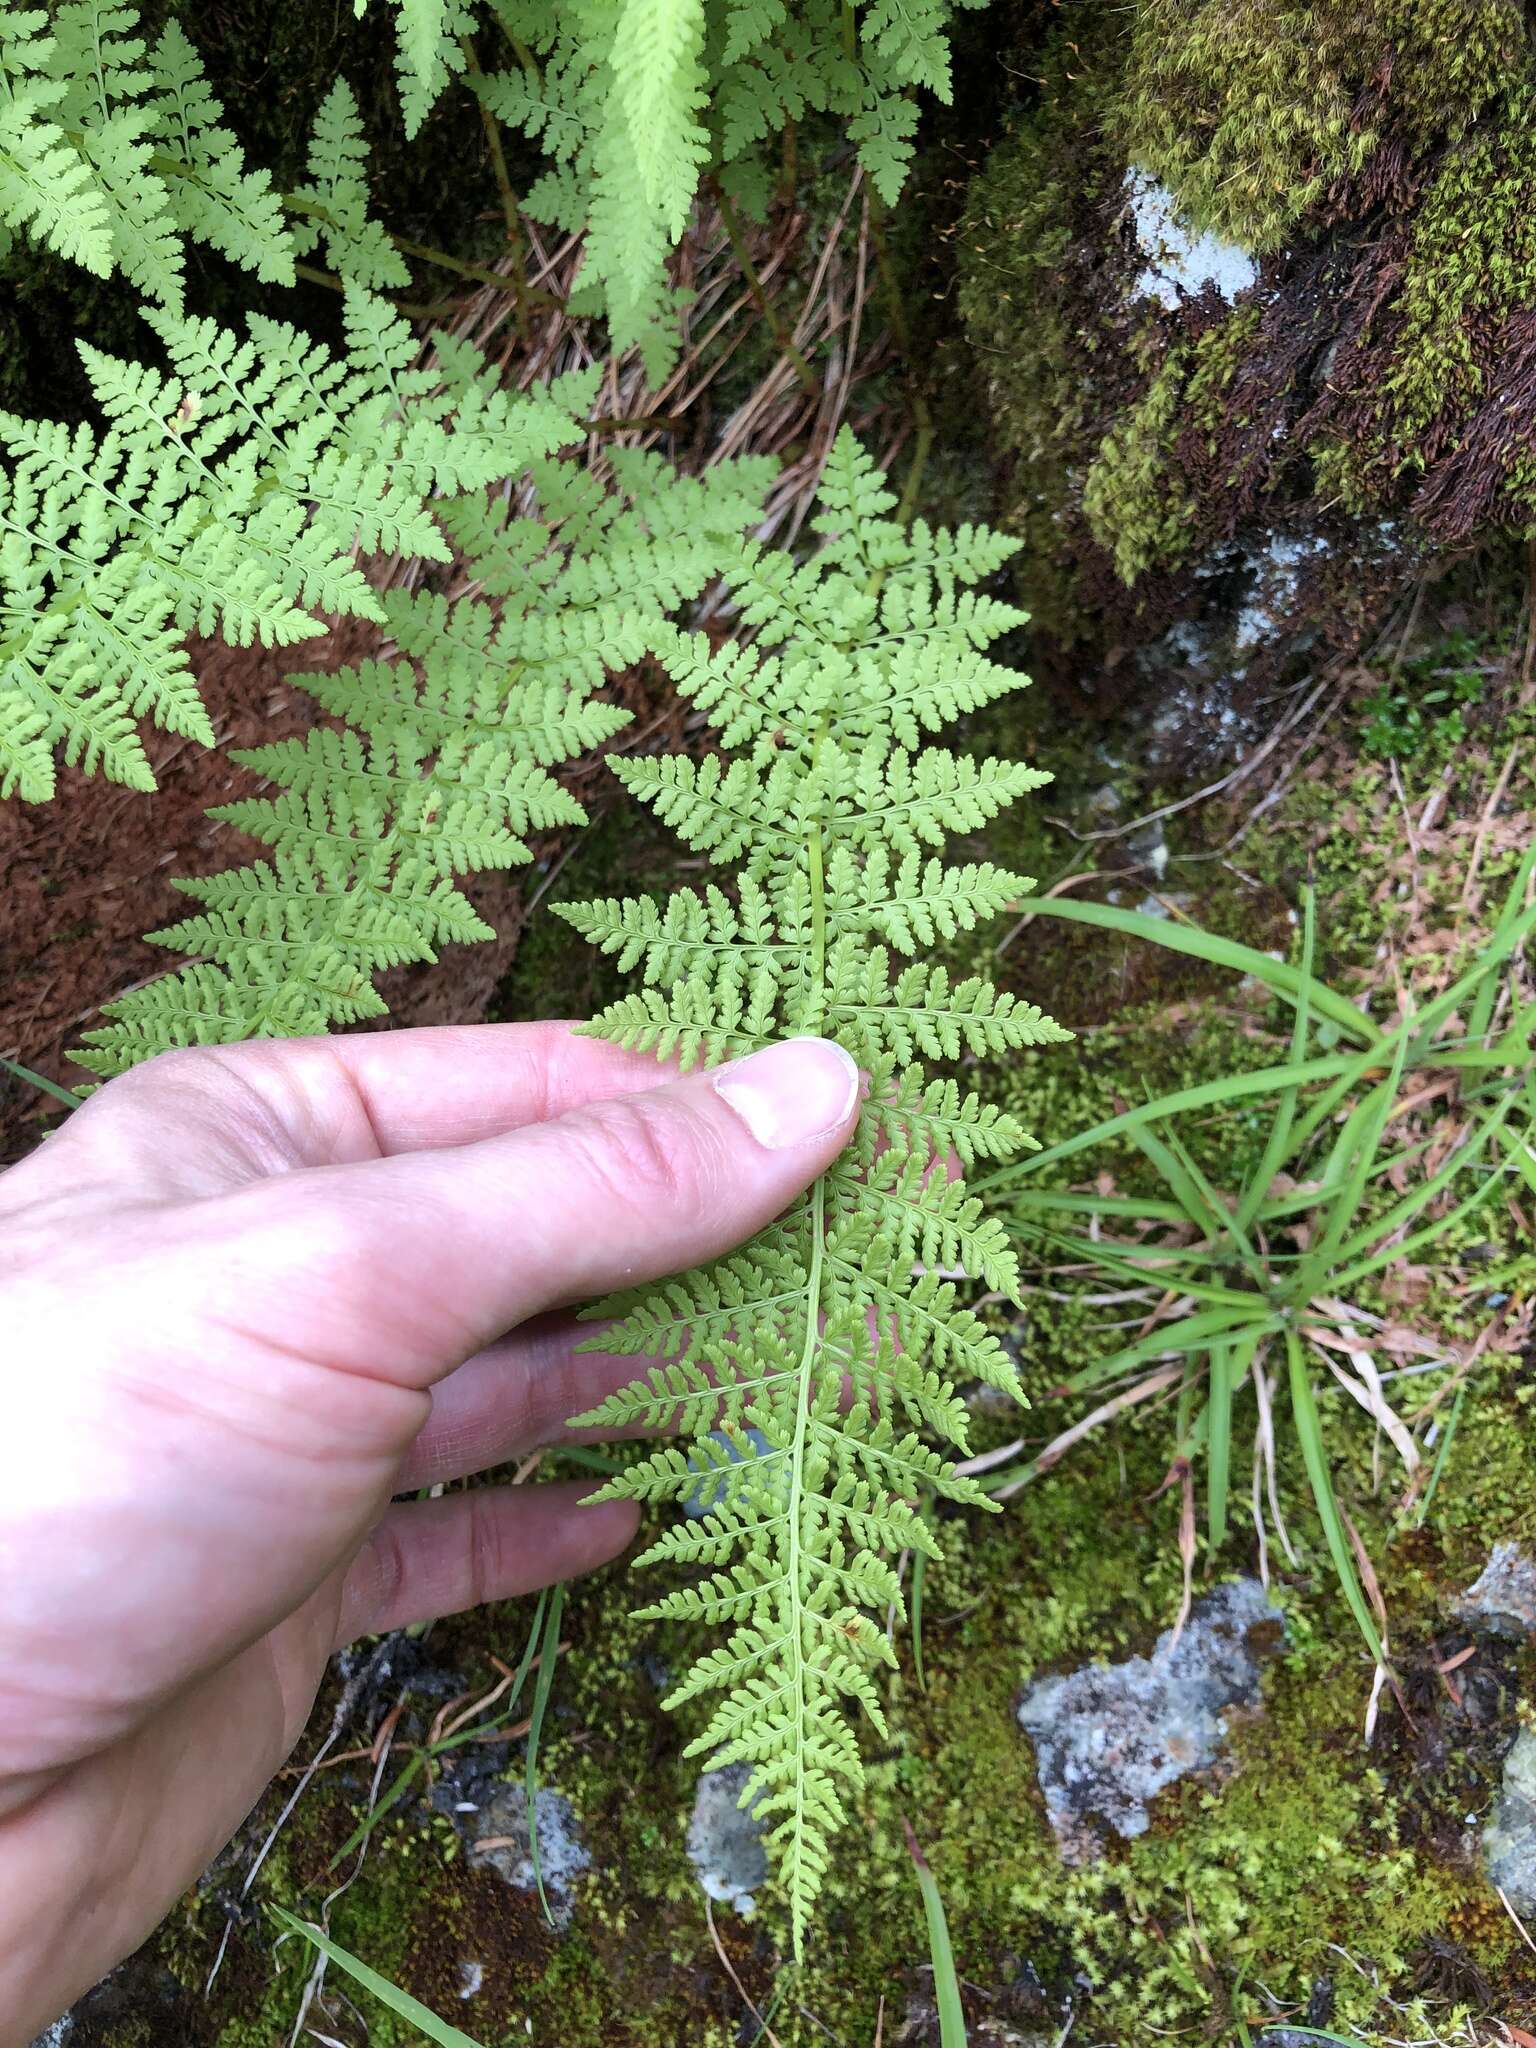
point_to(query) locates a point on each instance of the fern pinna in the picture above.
(444, 766)
(806, 1368)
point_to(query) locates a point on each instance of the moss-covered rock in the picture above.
(1252, 285)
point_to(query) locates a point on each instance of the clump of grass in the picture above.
(1258, 1286)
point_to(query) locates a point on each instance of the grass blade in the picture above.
(1407, 1207)
(1309, 1433)
(549, 1652)
(1179, 1339)
(389, 1995)
(1345, 1207)
(946, 1985)
(919, 1573)
(1481, 1013)
(1341, 1281)
(1286, 981)
(1277, 1146)
(1208, 1095)
(67, 1096)
(1218, 1457)
(1029, 1199)
(1442, 1455)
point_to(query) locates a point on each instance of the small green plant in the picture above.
(946, 1982)
(634, 103)
(1269, 1272)
(389, 1995)
(802, 1371)
(1419, 709)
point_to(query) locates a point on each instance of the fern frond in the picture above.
(233, 496)
(443, 767)
(209, 192)
(332, 207)
(45, 186)
(633, 102)
(661, 90)
(811, 1385)
(113, 154)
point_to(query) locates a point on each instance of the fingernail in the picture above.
(789, 1094)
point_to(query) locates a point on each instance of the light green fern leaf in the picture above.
(332, 206)
(816, 1376)
(210, 192)
(428, 51)
(661, 88)
(232, 496)
(112, 154)
(44, 184)
(444, 766)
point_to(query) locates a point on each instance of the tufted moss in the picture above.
(1375, 389)
(1252, 109)
(1135, 506)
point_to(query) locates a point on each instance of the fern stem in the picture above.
(424, 253)
(901, 329)
(805, 1372)
(511, 211)
(312, 274)
(783, 339)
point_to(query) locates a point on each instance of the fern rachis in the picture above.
(803, 1368)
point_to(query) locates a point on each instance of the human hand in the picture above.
(247, 1296)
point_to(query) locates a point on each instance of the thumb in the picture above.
(405, 1266)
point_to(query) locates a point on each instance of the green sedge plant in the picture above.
(1253, 1291)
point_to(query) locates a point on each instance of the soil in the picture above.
(89, 873)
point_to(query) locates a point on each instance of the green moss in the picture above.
(1473, 263)
(1027, 248)
(1384, 153)
(1136, 508)
(1249, 110)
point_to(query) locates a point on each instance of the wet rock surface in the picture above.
(1109, 1738)
(503, 1841)
(1509, 1839)
(1502, 1600)
(725, 1839)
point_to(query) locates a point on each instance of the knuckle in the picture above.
(644, 1160)
(386, 1582)
(485, 1567)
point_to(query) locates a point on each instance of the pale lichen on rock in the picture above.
(1109, 1738)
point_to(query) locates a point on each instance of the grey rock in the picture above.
(725, 1839)
(1503, 1599)
(563, 1855)
(58, 2034)
(1109, 1738)
(1509, 1839)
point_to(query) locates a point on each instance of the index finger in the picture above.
(271, 1105)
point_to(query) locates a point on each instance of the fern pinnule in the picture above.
(806, 1373)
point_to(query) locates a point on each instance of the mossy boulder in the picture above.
(1253, 285)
